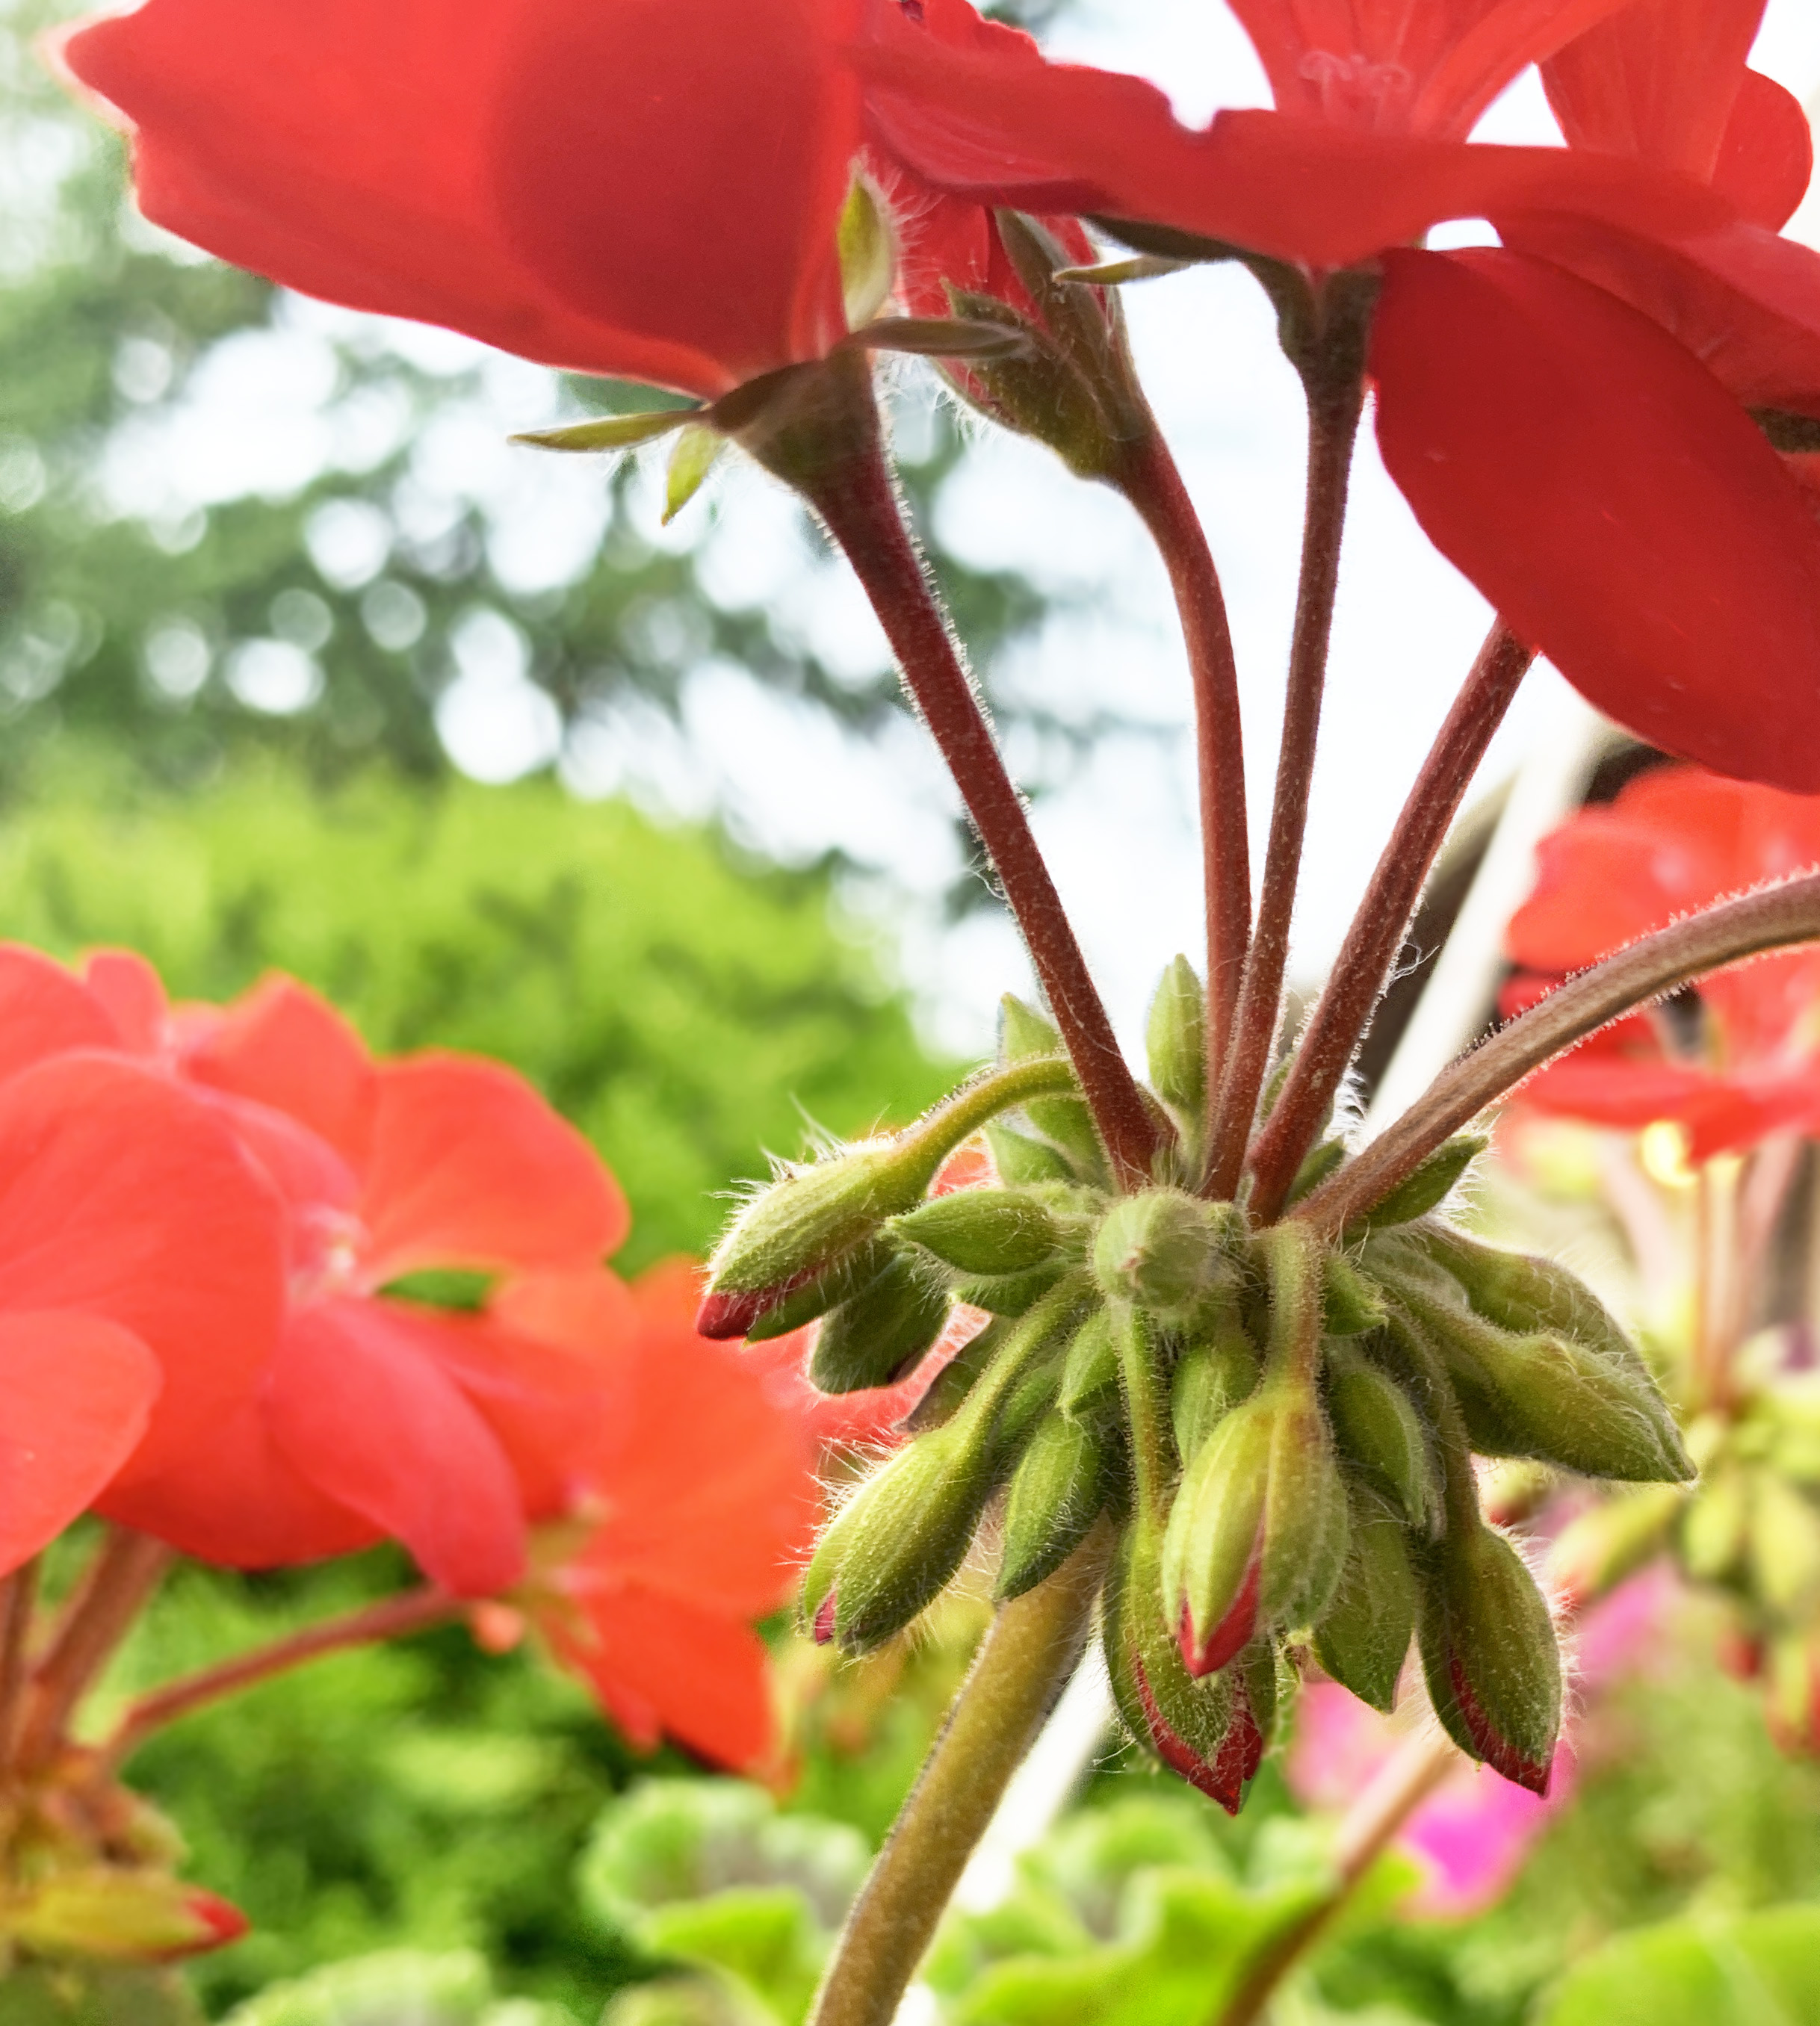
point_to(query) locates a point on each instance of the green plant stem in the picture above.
(1334, 408)
(413, 1610)
(126, 1569)
(854, 495)
(1027, 1655)
(1376, 934)
(1774, 919)
(1150, 481)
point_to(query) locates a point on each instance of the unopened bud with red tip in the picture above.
(121, 1913)
(1594, 1552)
(1488, 1654)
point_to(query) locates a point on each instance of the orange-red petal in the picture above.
(1610, 498)
(44, 1011)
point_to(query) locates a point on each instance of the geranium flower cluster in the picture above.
(215, 1229)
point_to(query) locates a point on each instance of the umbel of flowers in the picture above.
(1276, 1424)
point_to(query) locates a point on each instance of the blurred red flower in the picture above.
(697, 1503)
(141, 1264)
(1588, 471)
(1742, 1062)
(608, 186)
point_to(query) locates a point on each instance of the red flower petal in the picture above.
(469, 1167)
(999, 125)
(480, 163)
(1610, 499)
(44, 1012)
(356, 1407)
(1765, 161)
(122, 1195)
(76, 1393)
(659, 1664)
(133, 995)
(1606, 1090)
(1657, 81)
(285, 1047)
(240, 1504)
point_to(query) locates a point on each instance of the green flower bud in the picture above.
(1213, 1375)
(878, 1333)
(1430, 1184)
(1488, 1654)
(1364, 1639)
(895, 1546)
(1528, 1295)
(1549, 1397)
(1090, 1373)
(1009, 1294)
(1351, 1303)
(1378, 1428)
(813, 1300)
(1057, 1493)
(1204, 1730)
(1594, 1554)
(1785, 1547)
(1176, 1035)
(1024, 1034)
(984, 1231)
(1714, 1528)
(1018, 1158)
(1165, 1252)
(1257, 1533)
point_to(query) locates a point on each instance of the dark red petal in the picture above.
(44, 1012)
(75, 1394)
(657, 1662)
(1659, 80)
(352, 151)
(1498, 1751)
(1230, 1636)
(1001, 126)
(238, 1503)
(1611, 500)
(469, 1167)
(356, 1407)
(1765, 161)
(123, 1194)
(698, 201)
(285, 1047)
(1214, 1781)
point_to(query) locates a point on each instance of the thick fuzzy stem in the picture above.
(1774, 919)
(1027, 1655)
(1369, 951)
(1334, 401)
(126, 1570)
(1150, 481)
(390, 1619)
(850, 487)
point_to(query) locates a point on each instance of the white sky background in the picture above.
(1120, 835)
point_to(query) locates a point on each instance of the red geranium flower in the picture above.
(1742, 1062)
(604, 185)
(698, 1502)
(378, 1415)
(1587, 472)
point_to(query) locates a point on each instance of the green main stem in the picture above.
(1334, 403)
(1028, 1654)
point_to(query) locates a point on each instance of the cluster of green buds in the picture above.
(1750, 1529)
(1278, 1424)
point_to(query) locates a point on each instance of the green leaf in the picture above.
(764, 1938)
(691, 459)
(1757, 1969)
(96, 1995)
(608, 432)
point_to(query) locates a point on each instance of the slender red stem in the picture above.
(125, 1571)
(1771, 919)
(1369, 951)
(18, 1594)
(1151, 482)
(390, 1619)
(855, 496)
(1333, 417)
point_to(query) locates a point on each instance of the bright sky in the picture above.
(1120, 836)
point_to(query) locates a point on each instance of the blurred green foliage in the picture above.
(687, 1009)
